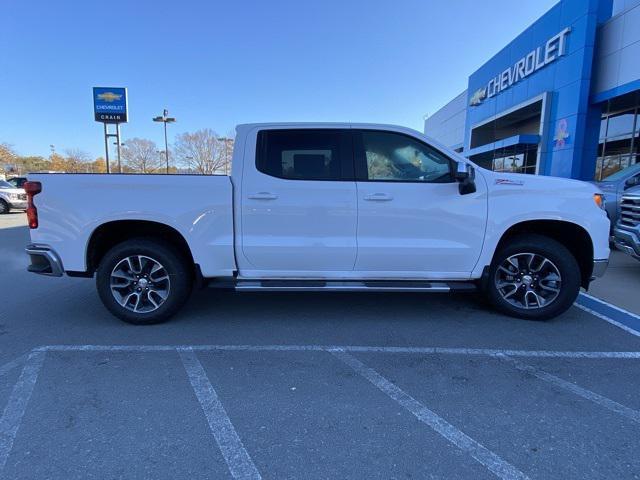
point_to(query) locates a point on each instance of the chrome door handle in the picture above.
(378, 197)
(263, 196)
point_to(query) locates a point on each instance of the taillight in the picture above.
(32, 189)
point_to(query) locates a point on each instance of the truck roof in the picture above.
(245, 127)
(324, 125)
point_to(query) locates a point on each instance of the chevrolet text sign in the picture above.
(110, 104)
(530, 63)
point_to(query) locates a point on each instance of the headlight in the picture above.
(599, 199)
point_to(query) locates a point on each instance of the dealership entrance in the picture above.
(510, 142)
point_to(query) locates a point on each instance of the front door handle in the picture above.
(263, 196)
(378, 197)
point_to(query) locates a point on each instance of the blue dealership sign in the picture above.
(110, 104)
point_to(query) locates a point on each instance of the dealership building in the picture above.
(562, 98)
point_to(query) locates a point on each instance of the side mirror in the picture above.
(632, 182)
(465, 175)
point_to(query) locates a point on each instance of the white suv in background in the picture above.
(11, 197)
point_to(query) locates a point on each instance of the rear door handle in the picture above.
(378, 197)
(263, 196)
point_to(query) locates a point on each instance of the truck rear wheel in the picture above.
(533, 277)
(143, 281)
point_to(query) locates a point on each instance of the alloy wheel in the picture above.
(140, 283)
(528, 280)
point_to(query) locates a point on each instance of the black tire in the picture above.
(4, 207)
(562, 260)
(178, 270)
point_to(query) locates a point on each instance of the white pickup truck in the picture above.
(349, 207)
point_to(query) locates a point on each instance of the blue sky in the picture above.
(215, 64)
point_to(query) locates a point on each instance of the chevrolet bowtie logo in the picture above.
(478, 97)
(109, 96)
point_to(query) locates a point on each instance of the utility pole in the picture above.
(165, 119)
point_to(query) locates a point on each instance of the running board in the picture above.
(351, 286)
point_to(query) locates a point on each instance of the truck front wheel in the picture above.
(533, 277)
(143, 281)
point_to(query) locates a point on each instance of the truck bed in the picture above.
(199, 207)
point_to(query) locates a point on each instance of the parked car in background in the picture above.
(17, 182)
(626, 234)
(614, 186)
(11, 197)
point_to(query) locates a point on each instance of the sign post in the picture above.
(110, 107)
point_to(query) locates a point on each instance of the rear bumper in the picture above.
(627, 241)
(44, 261)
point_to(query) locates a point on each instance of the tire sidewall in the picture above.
(556, 253)
(4, 207)
(176, 266)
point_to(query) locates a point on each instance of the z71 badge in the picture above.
(507, 181)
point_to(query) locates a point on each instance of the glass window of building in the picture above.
(619, 145)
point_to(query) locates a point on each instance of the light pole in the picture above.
(165, 119)
(119, 163)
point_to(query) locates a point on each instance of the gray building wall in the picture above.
(620, 6)
(447, 124)
(617, 59)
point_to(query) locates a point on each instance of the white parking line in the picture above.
(348, 348)
(480, 453)
(16, 362)
(240, 464)
(573, 388)
(17, 404)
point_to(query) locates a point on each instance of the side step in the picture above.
(352, 286)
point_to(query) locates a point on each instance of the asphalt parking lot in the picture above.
(250, 385)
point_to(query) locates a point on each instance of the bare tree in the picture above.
(76, 161)
(7, 157)
(229, 141)
(203, 151)
(141, 155)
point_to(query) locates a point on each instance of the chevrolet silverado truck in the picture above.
(322, 207)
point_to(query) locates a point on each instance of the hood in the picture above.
(606, 186)
(12, 190)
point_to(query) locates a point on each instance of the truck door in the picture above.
(412, 220)
(299, 204)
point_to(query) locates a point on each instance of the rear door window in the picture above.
(305, 154)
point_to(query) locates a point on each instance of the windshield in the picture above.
(4, 184)
(620, 174)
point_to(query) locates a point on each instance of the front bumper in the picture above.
(599, 267)
(18, 205)
(44, 261)
(627, 241)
